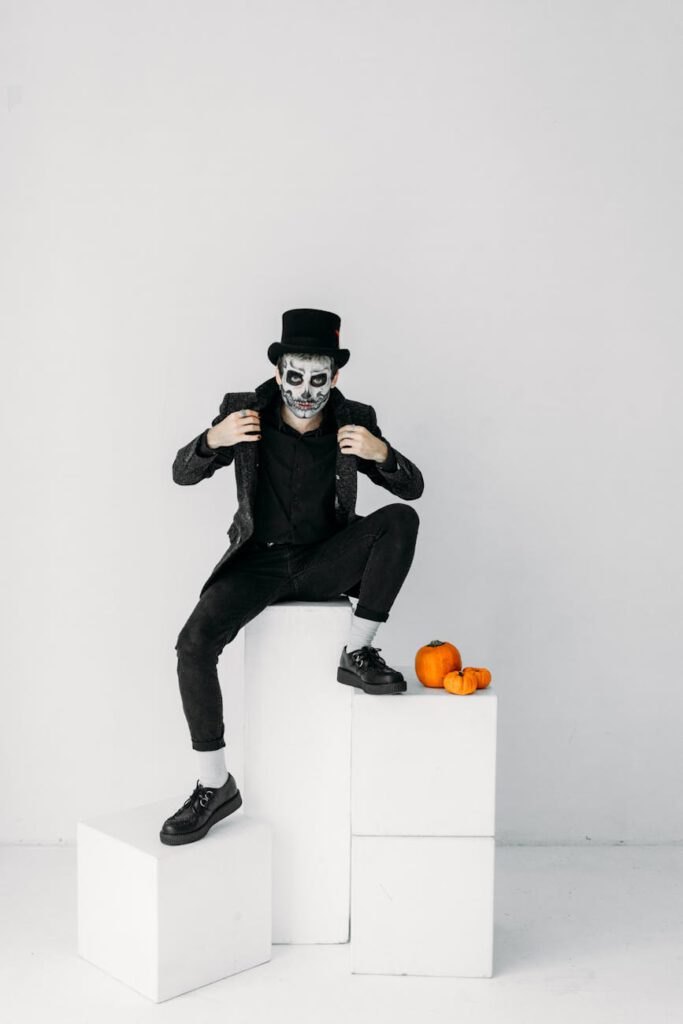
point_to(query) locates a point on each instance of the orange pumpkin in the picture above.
(434, 660)
(462, 682)
(483, 678)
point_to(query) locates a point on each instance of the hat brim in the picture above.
(340, 355)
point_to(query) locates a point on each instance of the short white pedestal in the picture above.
(168, 919)
(297, 727)
(422, 821)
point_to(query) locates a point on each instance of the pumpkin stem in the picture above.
(435, 643)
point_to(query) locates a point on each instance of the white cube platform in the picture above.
(423, 762)
(297, 763)
(423, 831)
(422, 905)
(168, 919)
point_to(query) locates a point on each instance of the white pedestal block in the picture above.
(422, 905)
(297, 747)
(168, 919)
(423, 824)
(423, 762)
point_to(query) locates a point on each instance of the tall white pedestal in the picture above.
(297, 763)
(422, 821)
(168, 919)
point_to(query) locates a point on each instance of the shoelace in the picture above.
(369, 656)
(199, 794)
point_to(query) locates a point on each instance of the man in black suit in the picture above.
(296, 535)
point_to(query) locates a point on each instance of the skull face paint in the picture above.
(306, 383)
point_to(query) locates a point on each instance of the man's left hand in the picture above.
(357, 440)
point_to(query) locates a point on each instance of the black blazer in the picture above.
(189, 467)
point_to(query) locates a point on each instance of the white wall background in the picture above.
(489, 194)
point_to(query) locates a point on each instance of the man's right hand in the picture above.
(235, 428)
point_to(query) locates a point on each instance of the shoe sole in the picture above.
(221, 812)
(351, 679)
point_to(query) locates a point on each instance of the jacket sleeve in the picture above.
(404, 479)
(196, 461)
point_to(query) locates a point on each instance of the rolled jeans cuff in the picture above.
(363, 612)
(208, 744)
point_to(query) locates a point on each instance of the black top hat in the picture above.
(310, 330)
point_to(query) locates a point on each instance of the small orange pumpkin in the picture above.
(483, 678)
(462, 682)
(434, 660)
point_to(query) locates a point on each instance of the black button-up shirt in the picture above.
(295, 490)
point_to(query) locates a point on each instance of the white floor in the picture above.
(587, 934)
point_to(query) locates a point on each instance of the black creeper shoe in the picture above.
(367, 669)
(203, 808)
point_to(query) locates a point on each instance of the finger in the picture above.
(243, 422)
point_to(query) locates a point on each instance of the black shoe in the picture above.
(368, 670)
(203, 808)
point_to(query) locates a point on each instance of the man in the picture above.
(297, 444)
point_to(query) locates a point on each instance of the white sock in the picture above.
(362, 633)
(212, 769)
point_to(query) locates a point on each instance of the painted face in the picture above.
(305, 384)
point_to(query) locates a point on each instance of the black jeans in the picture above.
(369, 558)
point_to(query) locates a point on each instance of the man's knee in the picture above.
(195, 639)
(404, 515)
